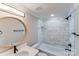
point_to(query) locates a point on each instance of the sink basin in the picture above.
(23, 50)
(22, 53)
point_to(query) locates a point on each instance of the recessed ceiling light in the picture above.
(52, 15)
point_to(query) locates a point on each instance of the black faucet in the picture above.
(70, 45)
(69, 49)
(15, 49)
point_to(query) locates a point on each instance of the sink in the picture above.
(23, 50)
(22, 53)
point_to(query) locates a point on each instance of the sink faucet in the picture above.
(15, 49)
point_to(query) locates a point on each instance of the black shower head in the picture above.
(67, 18)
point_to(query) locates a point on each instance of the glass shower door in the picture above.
(56, 33)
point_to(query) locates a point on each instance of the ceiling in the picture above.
(44, 10)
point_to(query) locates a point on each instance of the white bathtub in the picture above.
(54, 50)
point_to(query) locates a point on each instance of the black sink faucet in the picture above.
(15, 49)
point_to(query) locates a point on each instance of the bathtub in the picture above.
(54, 50)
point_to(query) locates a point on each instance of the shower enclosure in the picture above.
(55, 36)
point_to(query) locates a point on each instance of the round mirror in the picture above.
(12, 31)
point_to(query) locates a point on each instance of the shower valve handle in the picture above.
(70, 45)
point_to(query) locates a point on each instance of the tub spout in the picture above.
(68, 49)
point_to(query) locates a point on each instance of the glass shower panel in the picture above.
(56, 32)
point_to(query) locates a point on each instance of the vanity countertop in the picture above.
(23, 50)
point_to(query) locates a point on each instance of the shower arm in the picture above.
(75, 34)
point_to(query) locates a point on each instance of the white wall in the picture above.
(32, 33)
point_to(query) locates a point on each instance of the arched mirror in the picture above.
(12, 31)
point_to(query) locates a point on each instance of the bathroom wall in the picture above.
(32, 33)
(56, 31)
(5, 14)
